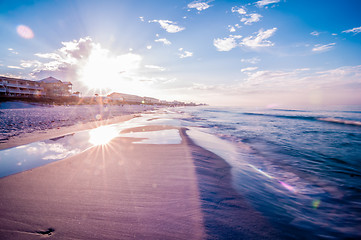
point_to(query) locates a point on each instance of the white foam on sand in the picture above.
(214, 144)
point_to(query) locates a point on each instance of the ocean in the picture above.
(299, 168)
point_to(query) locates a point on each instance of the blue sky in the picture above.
(266, 53)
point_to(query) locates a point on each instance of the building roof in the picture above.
(50, 80)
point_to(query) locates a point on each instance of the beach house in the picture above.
(48, 87)
(55, 87)
(20, 87)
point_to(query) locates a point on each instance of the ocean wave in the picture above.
(282, 116)
(341, 121)
(310, 118)
(288, 110)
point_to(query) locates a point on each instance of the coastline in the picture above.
(130, 190)
(226, 214)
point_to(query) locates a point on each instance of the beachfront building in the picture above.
(48, 87)
(178, 103)
(125, 98)
(20, 87)
(128, 98)
(149, 100)
(54, 87)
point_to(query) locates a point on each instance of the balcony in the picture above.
(15, 85)
(14, 91)
(26, 86)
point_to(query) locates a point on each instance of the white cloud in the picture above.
(239, 10)
(149, 47)
(293, 87)
(88, 65)
(236, 36)
(169, 26)
(247, 19)
(184, 54)
(251, 18)
(15, 67)
(322, 48)
(54, 56)
(199, 5)
(12, 51)
(249, 69)
(155, 67)
(260, 40)
(253, 60)
(263, 3)
(355, 30)
(141, 19)
(296, 79)
(30, 63)
(10, 75)
(163, 40)
(231, 29)
(315, 33)
(226, 44)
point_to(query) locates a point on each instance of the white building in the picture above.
(20, 87)
(48, 87)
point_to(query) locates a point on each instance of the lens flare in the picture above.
(285, 185)
(260, 171)
(102, 135)
(316, 203)
(288, 187)
(25, 32)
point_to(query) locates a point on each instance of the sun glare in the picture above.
(102, 135)
(103, 71)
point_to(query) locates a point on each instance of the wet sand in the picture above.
(121, 191)
(130, 191)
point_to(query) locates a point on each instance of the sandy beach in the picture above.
(124, 190)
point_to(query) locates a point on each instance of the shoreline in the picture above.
(226, 214)
(190, 197)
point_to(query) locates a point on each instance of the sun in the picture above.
(101, 70)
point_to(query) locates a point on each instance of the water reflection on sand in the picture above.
(25, 157)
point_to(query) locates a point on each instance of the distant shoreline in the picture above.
(87, 100)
